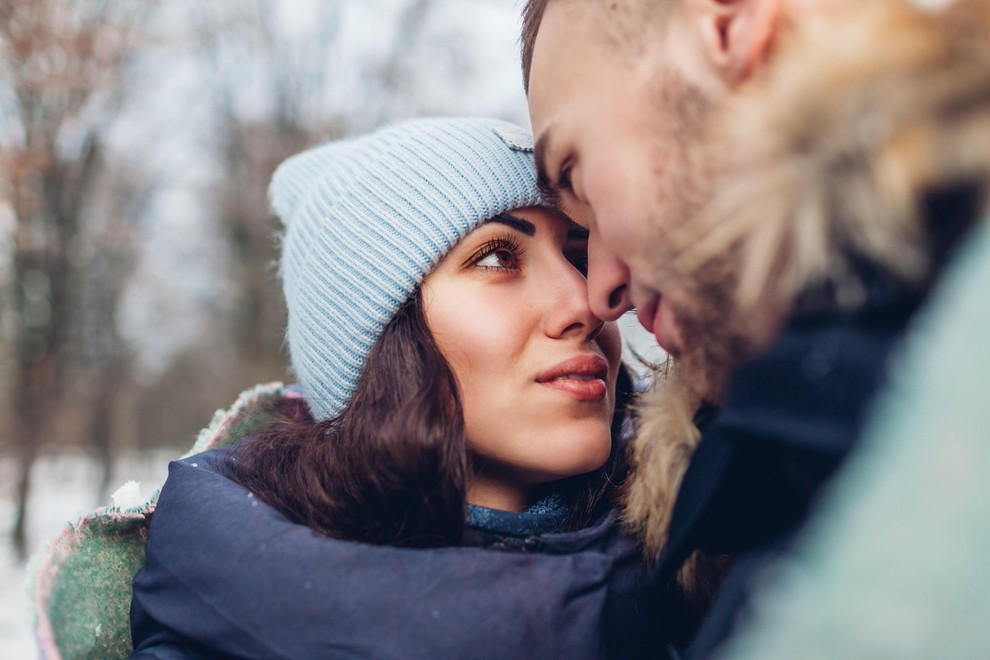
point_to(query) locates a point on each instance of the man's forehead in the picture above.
(579, 41)
(561, 66)
(573, 18)
(616, 23)
(549, 192)
(555, 80)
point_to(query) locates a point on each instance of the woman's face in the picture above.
(536, 369)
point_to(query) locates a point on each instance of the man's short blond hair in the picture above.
(532, 17)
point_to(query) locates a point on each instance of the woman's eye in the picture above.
(498, 254)
(498, 259)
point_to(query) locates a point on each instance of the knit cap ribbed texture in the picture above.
(366, 219)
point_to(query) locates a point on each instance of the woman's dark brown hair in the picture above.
(393, 467)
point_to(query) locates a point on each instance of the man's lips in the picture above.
(584, 377)
(651, 317)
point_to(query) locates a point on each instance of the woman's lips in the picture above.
(582, 377)
(583, 390)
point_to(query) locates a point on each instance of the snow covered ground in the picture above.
(64, 489)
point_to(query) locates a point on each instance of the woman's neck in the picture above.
(497, 494)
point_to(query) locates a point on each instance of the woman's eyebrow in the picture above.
(518, 224)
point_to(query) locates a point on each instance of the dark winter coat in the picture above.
(227, 575)
(791, 417)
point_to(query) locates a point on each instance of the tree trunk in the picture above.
(26, 454)
(34, 375)
(101, 425)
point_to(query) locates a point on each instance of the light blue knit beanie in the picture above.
(366, 219)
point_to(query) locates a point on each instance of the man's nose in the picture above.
(608, 282)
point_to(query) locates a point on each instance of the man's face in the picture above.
(618, 135)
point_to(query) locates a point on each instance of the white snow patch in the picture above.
(127, 496)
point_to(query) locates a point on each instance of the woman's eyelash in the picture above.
(508, 243)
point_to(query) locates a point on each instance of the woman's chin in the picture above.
(580, 457)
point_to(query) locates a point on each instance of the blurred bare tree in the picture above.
(266, 90)
(106, 256)
(64, 64)
(270, 89)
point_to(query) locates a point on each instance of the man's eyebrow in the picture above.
(524, 226)
(547, 190)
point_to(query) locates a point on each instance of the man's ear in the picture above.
(738, 34)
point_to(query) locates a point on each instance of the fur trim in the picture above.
(665, 440)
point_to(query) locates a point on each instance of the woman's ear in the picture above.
(737, 34)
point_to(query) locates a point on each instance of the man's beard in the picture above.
(687, 175)
(684, 161)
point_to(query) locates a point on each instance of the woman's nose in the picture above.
(608, 282)
(567, 309)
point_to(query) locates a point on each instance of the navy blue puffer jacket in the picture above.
(227, 575)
